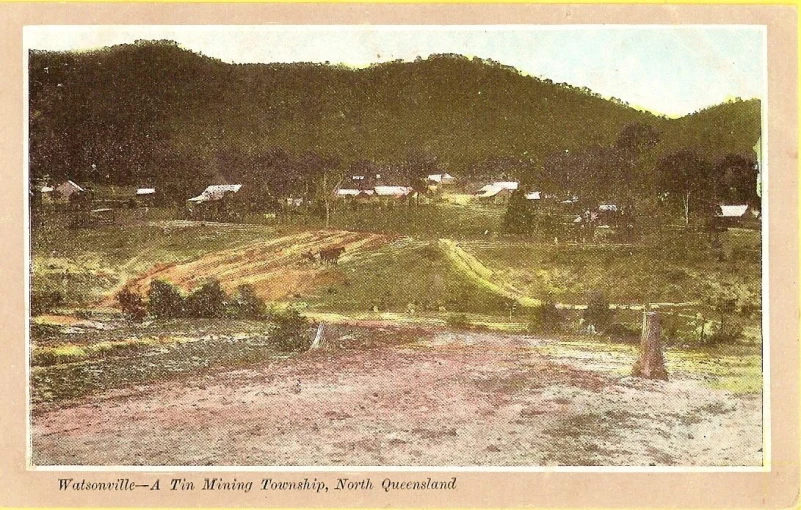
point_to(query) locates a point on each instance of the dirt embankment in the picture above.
(440, 398)
(276, 268)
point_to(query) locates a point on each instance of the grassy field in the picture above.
(426, 221)
(469, 273)
(405, 276)
(85, 264)
(676, 268)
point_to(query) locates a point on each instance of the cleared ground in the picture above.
(275, 267)
(383, 396)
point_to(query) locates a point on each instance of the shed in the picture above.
(67, 189)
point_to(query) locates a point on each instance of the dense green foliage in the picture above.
(209, 301)
(290, 331)
(153, 113)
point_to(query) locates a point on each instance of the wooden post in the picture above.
(651, 364)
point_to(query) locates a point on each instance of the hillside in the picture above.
(153, 112)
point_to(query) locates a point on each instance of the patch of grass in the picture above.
(85, 264)
(430, 221)
(640, 273)
(413, 279)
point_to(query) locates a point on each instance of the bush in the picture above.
(245, 304)
(623, 333)
(598, 312)
(164, 300)
(208, 301)
(727, 332)
(131, 304)
(290, 331)
(545, 318)
(43, 302)
(457, 320)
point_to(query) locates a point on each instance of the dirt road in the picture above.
(442, 398)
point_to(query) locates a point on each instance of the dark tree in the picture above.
(736, 180)
(519, 216)
(637, 138)
(687, 177)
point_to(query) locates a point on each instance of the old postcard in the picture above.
(340, 255)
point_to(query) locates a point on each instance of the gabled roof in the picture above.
(70, 184)
(145, 191)
(222, 188)
(346, 192)
(396, 191)
(733, 211)
(215, 192)
(441, 177)
(510, 185)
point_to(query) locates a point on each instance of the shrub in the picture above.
(290, 331)
(598, 312)
(164, 300)
(727, 332)
(207, 301)
(457, 320)
(245, 304)
(546, 318)
(623, 333)
(43, 302)
(131, 304)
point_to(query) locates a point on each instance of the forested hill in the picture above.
(154, 112)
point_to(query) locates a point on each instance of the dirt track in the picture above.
(445, 399)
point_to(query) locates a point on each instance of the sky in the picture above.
(671, 70)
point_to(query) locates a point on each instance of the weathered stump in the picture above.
(318, 338)
(651, 364)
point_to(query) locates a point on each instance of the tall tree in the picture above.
(688, 177)
(736, 180)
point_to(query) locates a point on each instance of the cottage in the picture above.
(497, 192)
(534, 195)
(67, 189)
(393, 191)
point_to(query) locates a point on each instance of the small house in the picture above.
(497, 192)
(145, 196)
(213, 204)
(67, 189)
(392, 194)
(729, 215)
(533, 195)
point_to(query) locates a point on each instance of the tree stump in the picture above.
(318, 338)
(651, 364)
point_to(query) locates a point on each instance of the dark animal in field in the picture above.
(331, 255)
(310, 256)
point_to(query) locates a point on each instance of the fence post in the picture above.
(651, 364)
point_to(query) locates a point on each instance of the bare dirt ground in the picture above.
(433, 398)
(275, 267)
